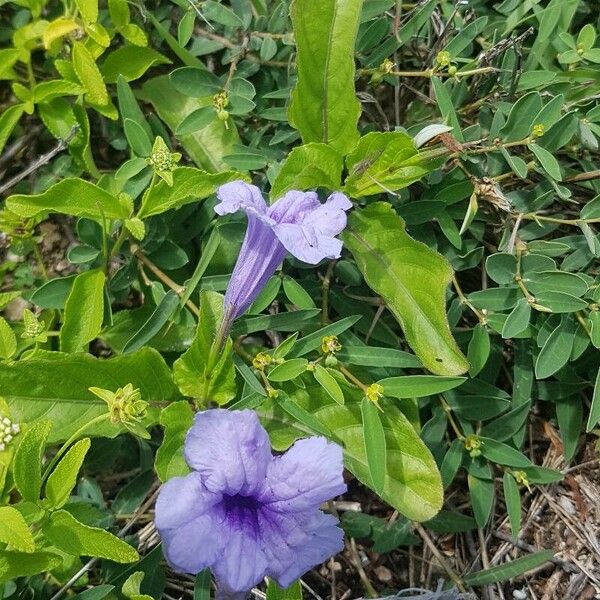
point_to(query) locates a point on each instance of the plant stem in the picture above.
(178, 289)
(352, 378)
(326, 284)
(99, 419)
(433, 548)
(464, 300)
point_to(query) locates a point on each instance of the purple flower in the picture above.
(245, 513)
(297, 223)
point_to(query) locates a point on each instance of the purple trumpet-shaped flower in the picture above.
(245, 513)
(297, 223)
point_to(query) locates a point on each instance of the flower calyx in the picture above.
(125, 407)
(163, 161)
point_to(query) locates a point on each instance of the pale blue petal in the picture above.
(309, 473)
(230, 449)
(293, 206)
(298, 543)
(238, 195)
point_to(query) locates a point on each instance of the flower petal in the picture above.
(309, 473)
(181, 500)
(244, 562)
(259, 257)
(311, 236)
(238, 195)
(293, 206)
(186, 517)
(304, 245)
(230, 449)
(297, 543)
(195, 546)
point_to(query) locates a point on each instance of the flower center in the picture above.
(242, 512)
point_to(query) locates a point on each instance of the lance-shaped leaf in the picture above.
(324, 106)
(384, 162)
(412, 279)
(411, 480)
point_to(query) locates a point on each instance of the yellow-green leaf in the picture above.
(65, 532)
(88, 73)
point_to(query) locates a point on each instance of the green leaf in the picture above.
(518, 319)
(196, 120)
(594, 415)
(329, 383)
(219, 13)
(324, 107)
(129, 108)
(88, 73)
(195, 82)
(176, 419)
(412, 482)
(189, 185)
(412, 279)
(375, 444)
(312, 341)
(512, 498)
(131, 587)
(27, 465)
(202, 585)
(8, 121)
(510, 570)
(482, 498)
(556, 350)
(307, 167)
(446, 107)
(386, 161)
(65, 532)
(14, 531)
(88, 10)
(137, 138)
(205, 371)
(275, 592)
(63, 478)
(155, 322)
(130, 62)
(418, 386)
(296, 294)
(206, 147)
(547, 160)
(20, 564)
(8, 340)
(479, 349)
(569, 414)
(84, 312)
(55, 386)
(560, 302)
(503, 454)
(371, 356)
(522, 117)
(71, 196)
(290, 369)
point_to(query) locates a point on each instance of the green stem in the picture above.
(99, 419)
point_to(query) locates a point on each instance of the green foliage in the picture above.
(412, 280)
(205, 371)
(463, 312)
(324, 107)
